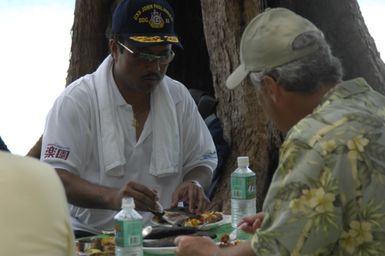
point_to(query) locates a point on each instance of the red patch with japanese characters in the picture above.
(55, 151)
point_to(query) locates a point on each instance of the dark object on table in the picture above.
(80, 234)
(161, 232)
(3, 146)
(159, 217)
(165, 236)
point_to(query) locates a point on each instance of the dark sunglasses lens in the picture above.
(167, 58)
(147, 57)
(163, 59)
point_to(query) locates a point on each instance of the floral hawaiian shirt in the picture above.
(327, 196)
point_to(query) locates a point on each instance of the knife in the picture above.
(160, 214)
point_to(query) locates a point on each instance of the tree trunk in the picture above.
(89, 42)
(245, 125)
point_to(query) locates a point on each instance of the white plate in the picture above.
(224, 220)
(159, 250)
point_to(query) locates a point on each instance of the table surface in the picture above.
(219, 231)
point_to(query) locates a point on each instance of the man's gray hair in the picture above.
(307, 74)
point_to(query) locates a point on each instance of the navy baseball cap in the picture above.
(144, 23)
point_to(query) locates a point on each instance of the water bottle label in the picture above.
(128, 233)
(243, 187)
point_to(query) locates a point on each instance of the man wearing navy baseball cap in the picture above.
(128, 130)
(145, 23)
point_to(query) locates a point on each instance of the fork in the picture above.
(160, 214)
(233, 235)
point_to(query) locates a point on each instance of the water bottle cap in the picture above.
(128, 202)
(243, 161)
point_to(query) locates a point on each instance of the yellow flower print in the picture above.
(296, 205)
(355, 146)
(361, 231)
(316, 199)
(321, 201)
(307, 194)
(348, 242)
(353, 155)
(328, 146)
(325, 203)
(358, 143)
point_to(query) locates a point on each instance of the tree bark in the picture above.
(89, 42)
(245, 125)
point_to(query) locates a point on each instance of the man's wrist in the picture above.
(110, 199)
(201, 174)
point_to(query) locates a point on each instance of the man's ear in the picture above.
(113, 48)
(273, 90)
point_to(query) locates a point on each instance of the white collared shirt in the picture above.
(70, 127)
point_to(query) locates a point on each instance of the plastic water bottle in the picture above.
(243, 191)
(128, 230)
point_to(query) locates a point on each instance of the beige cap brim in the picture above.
(236, 77)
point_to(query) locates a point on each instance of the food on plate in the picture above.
(174, 215)
(96, 246)
(180, 216)
(225, 241)
(204, 218)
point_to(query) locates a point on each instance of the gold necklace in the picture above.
(138, 115)
(135, 123)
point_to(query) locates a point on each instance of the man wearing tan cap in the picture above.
(326, 197)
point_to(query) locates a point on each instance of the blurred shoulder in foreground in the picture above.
(34, 215)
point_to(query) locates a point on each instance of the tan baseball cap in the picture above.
(268, 42)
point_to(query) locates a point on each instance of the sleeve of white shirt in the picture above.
(67, 135)
(198, 145)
